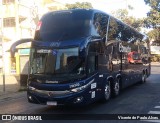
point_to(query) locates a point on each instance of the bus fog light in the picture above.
(30, 97)
(78, 99)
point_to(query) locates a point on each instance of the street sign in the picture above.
(24, 51)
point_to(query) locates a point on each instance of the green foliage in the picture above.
(154, 35)
(120, 14)
(83, 5)
(153, 19)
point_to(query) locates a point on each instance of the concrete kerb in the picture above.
(155, 63)
(12, 86)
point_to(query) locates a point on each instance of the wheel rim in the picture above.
(116, 87)
(107, 92)
(143, 77)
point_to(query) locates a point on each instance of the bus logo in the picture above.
(50, 94)
(124, 49)
(55, 44)
(6, 117)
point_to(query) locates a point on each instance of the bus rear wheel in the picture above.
(144, 76)
(116, 88)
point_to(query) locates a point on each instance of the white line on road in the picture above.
(154, 112)
(157, 107)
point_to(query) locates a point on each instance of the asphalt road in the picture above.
(137, 99)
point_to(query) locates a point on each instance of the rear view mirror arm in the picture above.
(21, 41)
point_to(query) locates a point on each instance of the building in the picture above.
(18, 19)
(13, 16)
(155, 51)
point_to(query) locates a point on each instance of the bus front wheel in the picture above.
(106, 91)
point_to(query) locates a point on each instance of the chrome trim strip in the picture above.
(51, 93)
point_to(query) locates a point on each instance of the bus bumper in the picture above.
(78, 98)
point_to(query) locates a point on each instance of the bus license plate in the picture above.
(53, 103)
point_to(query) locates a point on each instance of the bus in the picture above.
(80, 56)
(134, 57)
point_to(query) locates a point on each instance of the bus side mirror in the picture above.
(13, 46)
(104, 39)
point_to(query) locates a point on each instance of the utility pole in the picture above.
(3, 63)
(2, 45)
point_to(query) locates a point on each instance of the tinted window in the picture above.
(112, 31)
(91, 63)
(64, 25)
(100, 22)
(57, 62)
(121, 32)
(95, 48)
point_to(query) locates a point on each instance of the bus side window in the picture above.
(100, 24)
(91, 63)
(93, 51)
(102, 58)
(113, 30)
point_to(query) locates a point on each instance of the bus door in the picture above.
(124, 67)
(92, 68)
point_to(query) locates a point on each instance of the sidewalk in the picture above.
(11, 84)
(12, 88)
(155, 63)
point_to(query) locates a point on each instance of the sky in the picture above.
(139, 7)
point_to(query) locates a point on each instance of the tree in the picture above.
(122, 14)
(153, 19)
(153, 16)
(154, 35)
(83, 5)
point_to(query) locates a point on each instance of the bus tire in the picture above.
(147, 73)
(106, 91)
(143, 79)
(116, 87)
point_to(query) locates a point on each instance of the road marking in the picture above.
(157, 107)
(155, 121)
(154, 112)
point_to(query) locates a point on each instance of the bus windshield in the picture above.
(61, 26)
(136, 56)
(57, 62)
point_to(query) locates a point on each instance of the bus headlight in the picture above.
(31, 88)
(80, 88)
